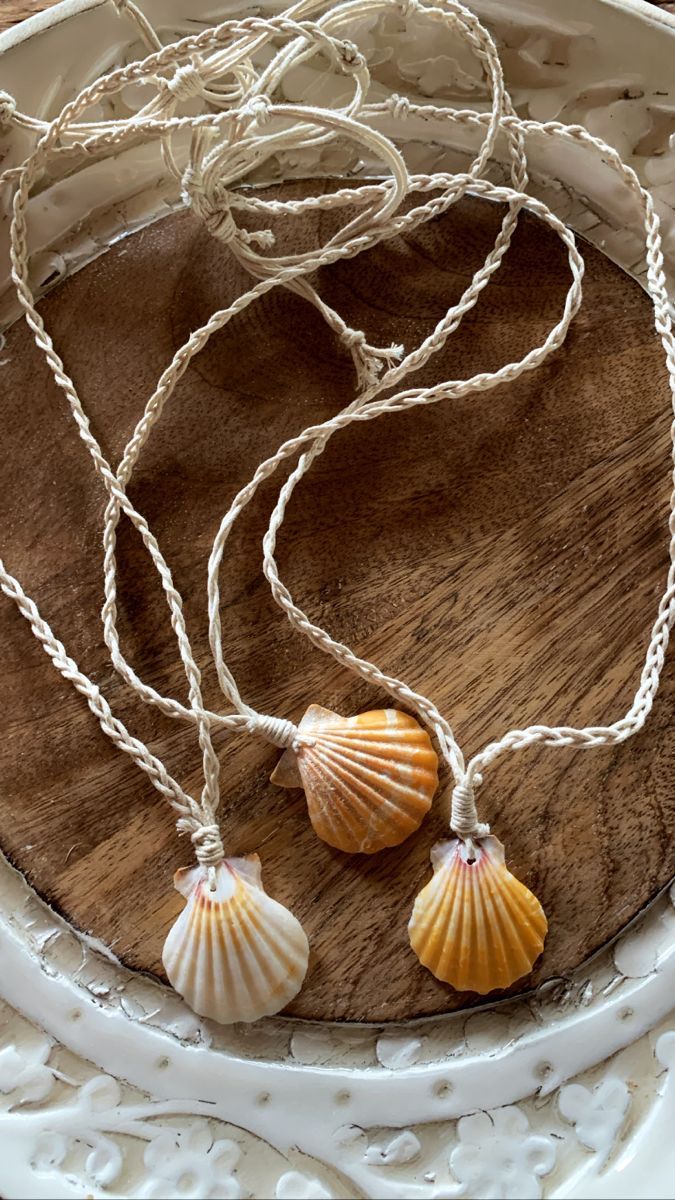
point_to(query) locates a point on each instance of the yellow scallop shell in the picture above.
(234, 954)
(475, 925)
(369, 780)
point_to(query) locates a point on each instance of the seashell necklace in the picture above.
(363, 755)
(349, 790)
(235, 954)
(230, 930)
(474, 925)
(370, 779)
(352, 792)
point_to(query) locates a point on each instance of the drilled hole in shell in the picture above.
(469, 853)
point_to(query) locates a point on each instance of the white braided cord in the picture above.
(248, 125)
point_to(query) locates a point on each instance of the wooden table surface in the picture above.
(506, 557)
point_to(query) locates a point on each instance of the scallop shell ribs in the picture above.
(475, 925)
(369, 780)
(234, 954)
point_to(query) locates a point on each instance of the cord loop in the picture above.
(185, 83)
(464, 817)
(399, 106)
(7, 109)
(208, 845)
(351, 58)
(277, 730)
(257, 108)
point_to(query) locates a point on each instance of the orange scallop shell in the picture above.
(369, 780)
(475, 925)
(234, 953)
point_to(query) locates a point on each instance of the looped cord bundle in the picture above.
(369, 779)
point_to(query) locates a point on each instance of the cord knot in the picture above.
(353, 338)
(399, 106)
(217, 217)
(7, 109)
(257, 108)
(369, 360)
(119, 6)
(464, 817)
(276, 730)
(351, 58)
(185, 83)
(208, 845)
(214, 211)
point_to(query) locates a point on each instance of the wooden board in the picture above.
(12, 11)
(504, 554)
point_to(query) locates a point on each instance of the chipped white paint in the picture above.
(402, 1149)
(396, 1052)
(108, 1084)
(636, 953)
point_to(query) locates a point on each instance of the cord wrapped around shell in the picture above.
(475, 925)
(369, 780)
(234, 953)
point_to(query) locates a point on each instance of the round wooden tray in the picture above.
(504, 555)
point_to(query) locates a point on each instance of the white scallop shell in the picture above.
(234, 953)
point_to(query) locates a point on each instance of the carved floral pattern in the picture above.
(189, 1163)
(597, 1114)
(499, 1158)
(493, 1155)
(26, 1076)
(294, 1186)
(181, 1161)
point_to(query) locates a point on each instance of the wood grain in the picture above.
(12, 11)
(503, 554)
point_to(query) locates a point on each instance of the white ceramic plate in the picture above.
(109, 1085)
